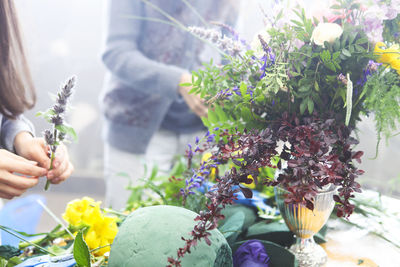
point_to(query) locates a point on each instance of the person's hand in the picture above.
(12, 185)
(195, 103)
(35, 149)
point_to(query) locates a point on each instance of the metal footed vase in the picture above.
(305, 223)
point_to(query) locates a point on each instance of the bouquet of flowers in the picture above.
(290, 100)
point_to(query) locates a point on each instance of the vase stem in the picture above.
(308, 253)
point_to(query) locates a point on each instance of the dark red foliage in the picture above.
(316, 151)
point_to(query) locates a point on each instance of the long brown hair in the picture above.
(16, 87)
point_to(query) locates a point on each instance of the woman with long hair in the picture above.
(23, 158)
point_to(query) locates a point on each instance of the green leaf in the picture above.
(346, 52)
(81, 251)
(243, 89)
(232, 227)
(221, 114)
(316, 86)
(304, 89)
(205, 121)
(67, 130)
(185, 84)
(3, 262)
(362, 40)
(310, 105)
(56, 250)
(246, 114)
(154, 172)
(212, 116)
(303, 106)
(14, 261)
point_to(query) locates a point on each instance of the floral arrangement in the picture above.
(291, 100)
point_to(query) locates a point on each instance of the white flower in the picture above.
(326, 32)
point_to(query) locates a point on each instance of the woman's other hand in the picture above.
(11, 184)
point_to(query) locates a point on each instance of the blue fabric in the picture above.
(21, 214)
(256, 201)
(47, 261)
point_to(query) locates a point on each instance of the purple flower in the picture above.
(251, 254)
(371, 67)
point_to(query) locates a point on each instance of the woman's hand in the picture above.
(35, 149)
(195, 103)
(12, 185)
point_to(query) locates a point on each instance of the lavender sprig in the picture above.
(232, 47)
(56, 116)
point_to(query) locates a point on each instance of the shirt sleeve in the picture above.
(10, 128)
(123, 58)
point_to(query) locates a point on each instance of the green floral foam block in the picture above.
(150, 235)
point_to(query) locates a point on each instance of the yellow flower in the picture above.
(388, 56)
(101, 229)
(102, 233)
(82, 211)
(204, 158)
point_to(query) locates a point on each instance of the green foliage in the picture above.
(7, 252)
(381, 96)
(164, 189)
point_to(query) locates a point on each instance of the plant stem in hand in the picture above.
(53, 155)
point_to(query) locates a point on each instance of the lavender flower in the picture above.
(226, 44)
(48, 137)
(56, 116)
(268, 58)
(371, 67)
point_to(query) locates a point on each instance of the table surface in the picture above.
(351, 246)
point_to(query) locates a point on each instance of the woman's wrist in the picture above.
(20, 140)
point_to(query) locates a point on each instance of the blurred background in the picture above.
(64, 38)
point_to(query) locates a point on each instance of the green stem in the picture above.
(23, 239)
(46, 187)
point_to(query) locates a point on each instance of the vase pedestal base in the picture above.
(308, 253)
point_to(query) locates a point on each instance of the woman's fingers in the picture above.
(64, 175)
(7, 154)
(62, 166)
(15, 181)
(26, 168)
